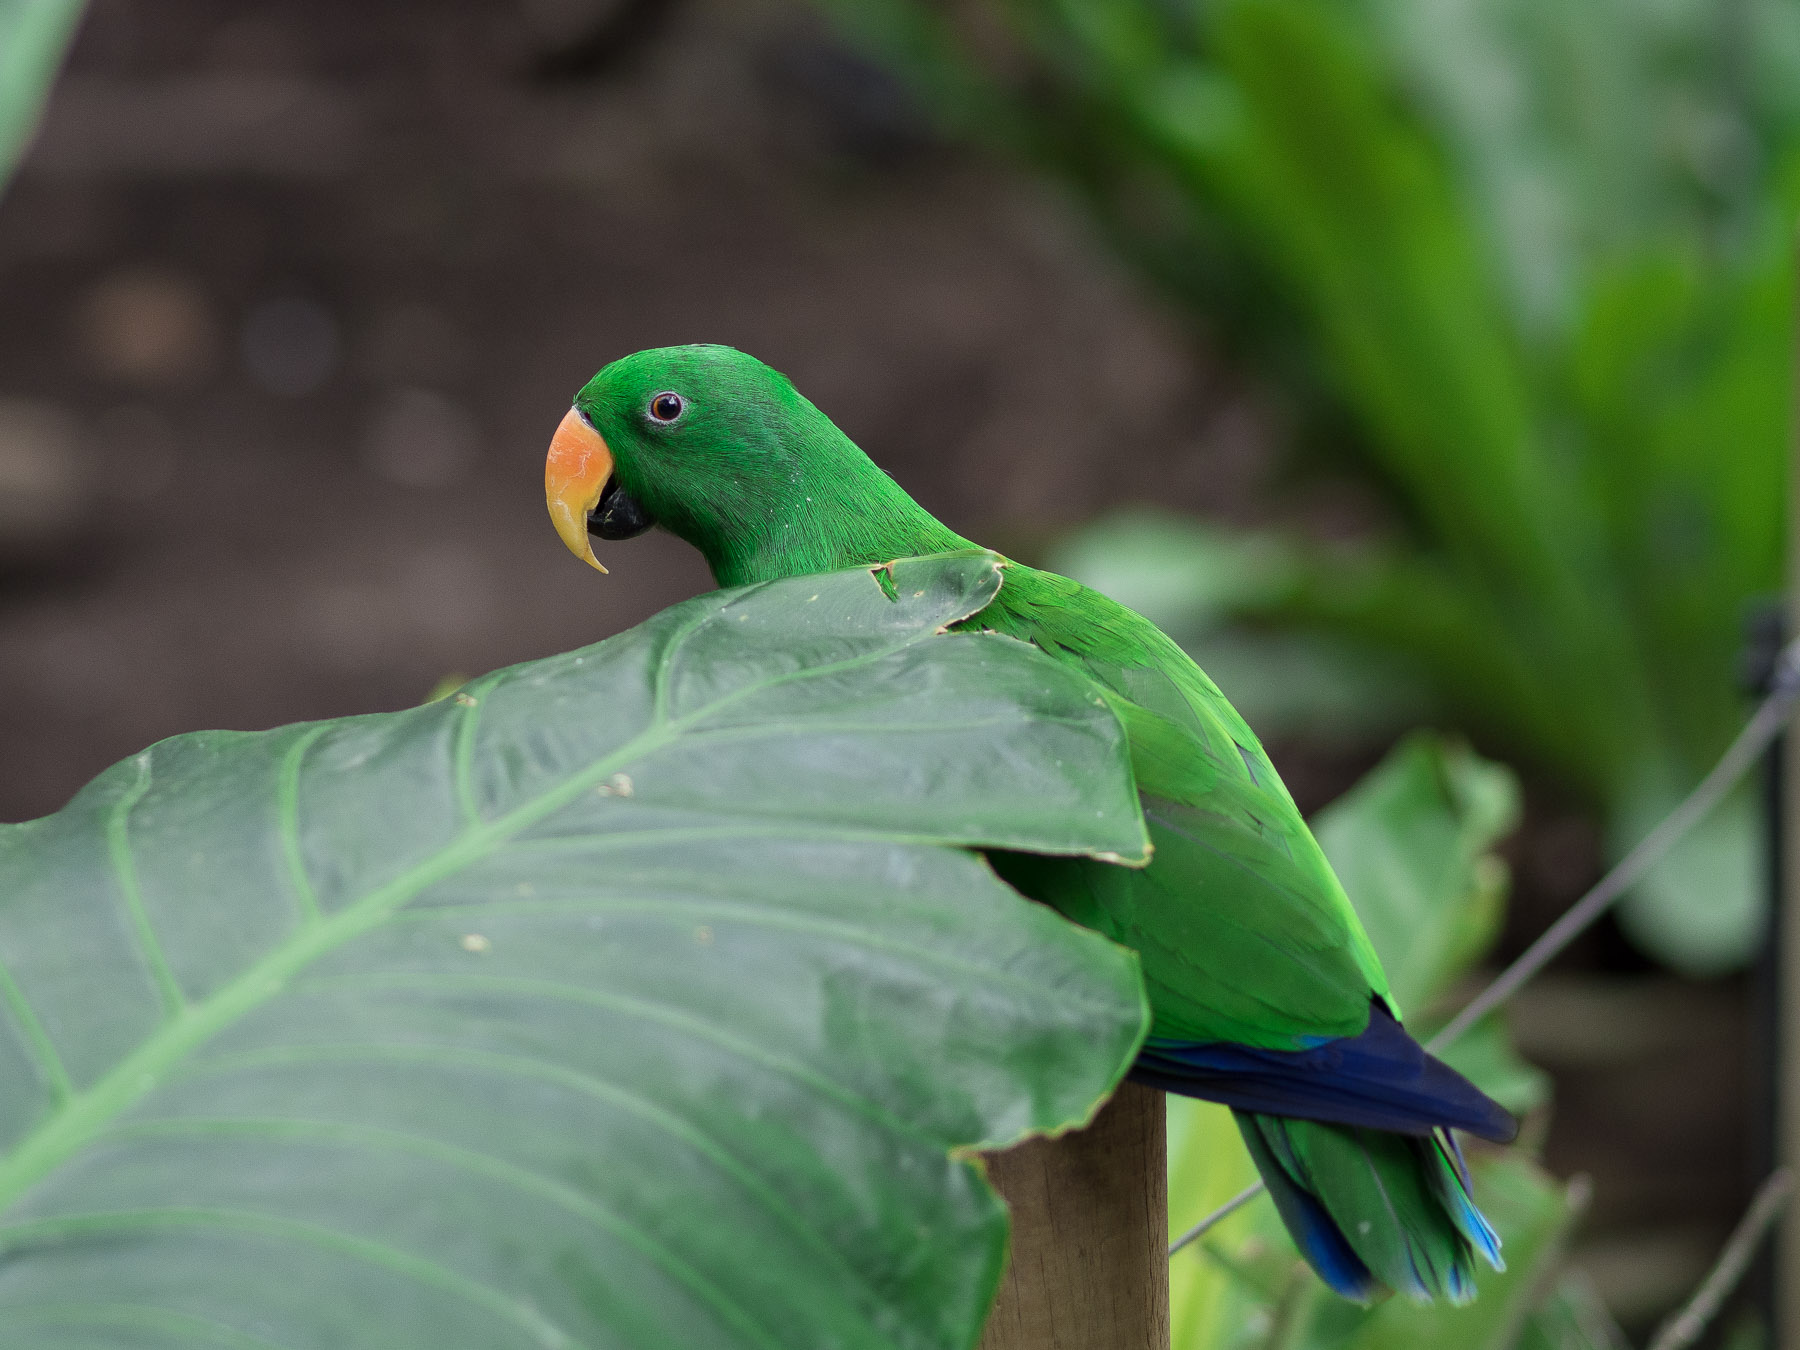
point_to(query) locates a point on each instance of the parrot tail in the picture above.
(1352, 1136)
(1373, 1211)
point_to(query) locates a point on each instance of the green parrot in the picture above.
(1265, 992)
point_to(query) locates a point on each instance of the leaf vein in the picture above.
(118, 852)
(659, 840)
(467, 724)
(477, 1163)
(665, 660)
(758, 730)
(399, 1262)
(43, 1049)
(143, 1316)
(673, 1018)
(287, 824)
(586, 1084)
(65, 1131)
(713, 904)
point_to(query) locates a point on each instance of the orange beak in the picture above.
(575, 474)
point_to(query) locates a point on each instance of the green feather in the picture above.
(1244, 931)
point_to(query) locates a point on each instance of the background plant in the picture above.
(33, 37)
(1528, 270)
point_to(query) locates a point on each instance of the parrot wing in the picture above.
(1244, 931)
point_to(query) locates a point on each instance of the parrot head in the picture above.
(642, 444)
(722, 451)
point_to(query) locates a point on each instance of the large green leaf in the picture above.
(1573, 1317)
(626, 998)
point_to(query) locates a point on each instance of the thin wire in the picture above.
(1759, 732)
(1690, 1324)
(1224, 1211)
(1762, 728)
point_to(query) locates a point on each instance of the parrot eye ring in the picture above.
(667, 406)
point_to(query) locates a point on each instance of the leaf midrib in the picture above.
(85, 1113)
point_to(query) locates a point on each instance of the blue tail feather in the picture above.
(1314, 1231)
(1450, 1183)
(1380, 1079)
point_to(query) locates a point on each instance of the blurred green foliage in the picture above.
(1527, 268)
(1412, 842)
(33, 36)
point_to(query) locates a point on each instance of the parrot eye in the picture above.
(667, 406)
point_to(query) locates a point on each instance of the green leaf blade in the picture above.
(579, 1009)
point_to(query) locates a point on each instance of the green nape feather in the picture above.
(1259, 973)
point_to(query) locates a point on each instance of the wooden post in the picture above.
(1089, 1268)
